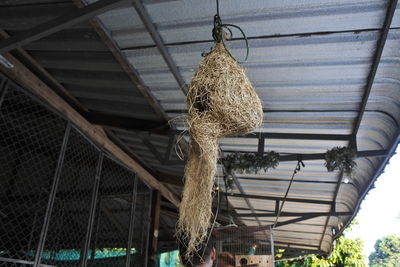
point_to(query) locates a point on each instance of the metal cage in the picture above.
(64, 201)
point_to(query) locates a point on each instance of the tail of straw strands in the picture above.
(221, 102)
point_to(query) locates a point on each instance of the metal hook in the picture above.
(218, 34)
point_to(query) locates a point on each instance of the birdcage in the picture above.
(250, 246)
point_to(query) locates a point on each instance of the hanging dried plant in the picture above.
(221, 102)
(341, 159)
(250, 162)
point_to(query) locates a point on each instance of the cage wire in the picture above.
(64, 201)
(247, 245)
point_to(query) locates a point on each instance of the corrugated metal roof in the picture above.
(309, 62)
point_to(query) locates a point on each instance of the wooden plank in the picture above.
(27, 79)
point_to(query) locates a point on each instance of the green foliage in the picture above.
(250, 162)
(387, 252)
(347, 253)
(341, 159)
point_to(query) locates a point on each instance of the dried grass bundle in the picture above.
(221, 102)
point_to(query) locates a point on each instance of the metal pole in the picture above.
(33, 229)
(92, 211)
(52, 197)
(155, 225)
(59, 230)
(272, 245)
(3, 90)
(131, 223)
(148, 229)
(92, 258)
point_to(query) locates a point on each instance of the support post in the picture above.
(92, 210)
(52, 197)
(131, 223)
(93, 254)
(3, 91)
(148, 217)
(271, 235)
(155, 225)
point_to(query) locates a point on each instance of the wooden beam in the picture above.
(27, 79)
(60, 23)
(133, 75)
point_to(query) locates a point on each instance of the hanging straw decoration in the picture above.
(221, 102)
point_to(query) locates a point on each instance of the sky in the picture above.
(379, 214)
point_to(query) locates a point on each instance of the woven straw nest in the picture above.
(221, 102)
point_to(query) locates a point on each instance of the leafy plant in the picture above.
(347, 253)
(341, 159)
(387, 252)
(250, 162)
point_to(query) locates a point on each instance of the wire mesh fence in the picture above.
(64, 202)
